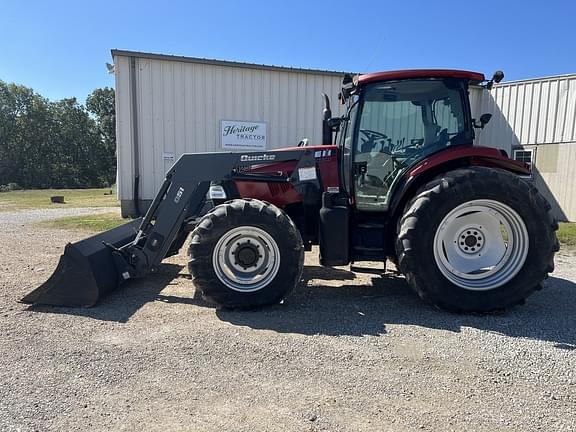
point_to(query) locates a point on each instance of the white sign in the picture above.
(307, 173)
(168, 157)
(243, 135)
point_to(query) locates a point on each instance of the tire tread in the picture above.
(461, 181)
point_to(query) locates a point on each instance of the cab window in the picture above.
(401, 123)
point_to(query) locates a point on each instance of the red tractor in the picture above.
(397, 177)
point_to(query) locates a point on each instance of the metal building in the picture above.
(535, 122)
(169, 105)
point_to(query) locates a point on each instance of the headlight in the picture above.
(216, 192)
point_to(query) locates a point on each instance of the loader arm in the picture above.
(183, 193)
(95, 266)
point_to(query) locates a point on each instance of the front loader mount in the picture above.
(93, 267)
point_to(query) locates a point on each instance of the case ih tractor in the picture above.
(397, 177)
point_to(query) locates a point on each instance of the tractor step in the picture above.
(366, 253)
(370, 225)
(369, 270)
(368, 249)
(368, 241)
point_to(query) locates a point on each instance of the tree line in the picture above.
(61, 144)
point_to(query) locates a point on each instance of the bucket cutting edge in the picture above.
(86, 270)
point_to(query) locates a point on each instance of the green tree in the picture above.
(25, 136)
(77, 148)
(101, 103)
(47, 144)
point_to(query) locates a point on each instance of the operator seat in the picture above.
(431, 134)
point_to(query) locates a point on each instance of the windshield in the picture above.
(422, 114)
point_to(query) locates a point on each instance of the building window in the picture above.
(525, 155)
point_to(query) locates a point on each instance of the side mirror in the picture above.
(496, 78)
(348, 86)
(347, 79)
(484, 119)
(334, 123)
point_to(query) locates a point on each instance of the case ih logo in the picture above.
(256, 158)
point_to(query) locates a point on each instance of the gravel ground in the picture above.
(347, 352)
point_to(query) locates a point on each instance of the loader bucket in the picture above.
(86, 270)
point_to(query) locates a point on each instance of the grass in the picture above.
(105, 221)
(567, 234)
(40, 198)
(94, 222)
(30, 199)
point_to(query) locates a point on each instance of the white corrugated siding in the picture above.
(530, 112)
(125, 167)
(180, 105)
(539, 114)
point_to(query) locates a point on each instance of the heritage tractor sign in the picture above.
(243, 135)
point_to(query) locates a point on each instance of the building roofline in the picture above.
(546, 78)
(199, 60)
(228, 63)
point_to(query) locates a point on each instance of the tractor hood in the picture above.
(322, 153)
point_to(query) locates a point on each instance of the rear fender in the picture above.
(477, 156)
(457, 157)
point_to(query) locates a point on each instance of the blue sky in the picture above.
(60, 48)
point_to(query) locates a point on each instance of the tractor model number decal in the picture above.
(178, 195)
(322, 153)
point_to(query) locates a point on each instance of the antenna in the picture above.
(377, 50)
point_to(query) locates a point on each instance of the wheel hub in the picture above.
(247, 255)
(246, 259)
(470, 240)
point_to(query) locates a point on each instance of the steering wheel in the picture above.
(371, 137)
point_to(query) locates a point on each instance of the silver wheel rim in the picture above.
(481, 245)
(246, 259)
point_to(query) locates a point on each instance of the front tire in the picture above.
(246, 253)
(476, 240)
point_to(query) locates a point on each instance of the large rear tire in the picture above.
(246, 253)
(476, 240)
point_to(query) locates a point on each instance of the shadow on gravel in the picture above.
(355, 310)
(120, 305)
(352, 310)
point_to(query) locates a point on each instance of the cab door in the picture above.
(385, 128)
(400, 124)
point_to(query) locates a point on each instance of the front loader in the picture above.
(396, 178)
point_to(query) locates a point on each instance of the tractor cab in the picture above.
(395, 120)
(401, 129)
